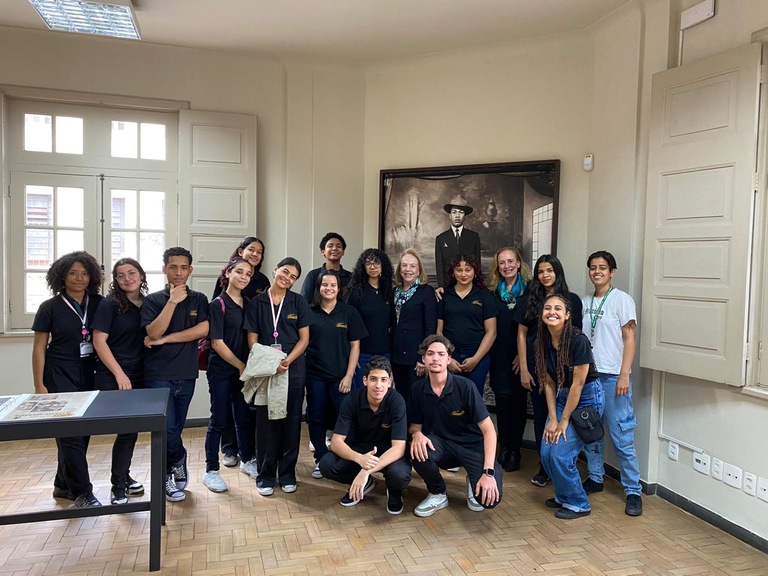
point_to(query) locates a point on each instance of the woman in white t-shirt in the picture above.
(610, 323)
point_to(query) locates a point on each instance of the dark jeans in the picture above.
(405, 377)
(479, 372)
(277, 441)
(181, 392)
(449, 454)
(320, 395)
(229, 437)
(122, 449)
(540, 409)
(72, 467)
(227, 399)
(396, 476)
(511, 416)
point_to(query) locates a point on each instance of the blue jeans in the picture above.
(619, 421)
(319, 392)
(559, 460)
(227, 402)
(479, 372)
(357, 379)
(178, 406)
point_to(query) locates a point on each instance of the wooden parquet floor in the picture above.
(241, 533)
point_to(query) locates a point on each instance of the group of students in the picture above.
(344, 340)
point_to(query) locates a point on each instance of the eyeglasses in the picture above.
(372, 264)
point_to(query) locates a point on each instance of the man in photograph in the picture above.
(456, 240)
(449, 426)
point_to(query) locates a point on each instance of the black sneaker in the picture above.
(133, 487)
(394, 501)
(591, 487)
(118, 495)
(552, 503)
(541, 478)
(512, 463)
(347, 501)
(63, 493)
(87, 500)
(634, 506)
(172, 492)
(180, 473)
(568, 514)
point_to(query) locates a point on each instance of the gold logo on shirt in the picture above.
(292, 317)
(193, 312)
(386, 425)
(341, 325)
(457, 413)
(477, 303)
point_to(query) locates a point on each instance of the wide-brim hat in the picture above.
(458, 201)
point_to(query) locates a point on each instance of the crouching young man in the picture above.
(370, 437)
(449, 427)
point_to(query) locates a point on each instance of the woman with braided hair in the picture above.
(567, 372)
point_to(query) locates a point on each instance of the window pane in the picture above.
(36, 292)
(39, 205)
(153, 141)
(69, 135)
(152, 210)
(39, 248)
(68, 241)
(124, 209)
(156, 282)
(38, 133)
(69, 207)
(123, 244)
(151, 248)
(125, 142)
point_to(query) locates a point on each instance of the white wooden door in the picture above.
(217, 189)
(701, 192)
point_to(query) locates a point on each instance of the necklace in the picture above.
(594, 315)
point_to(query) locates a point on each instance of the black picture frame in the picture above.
(513, 204)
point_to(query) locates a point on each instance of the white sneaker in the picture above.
(249, 468)
(431, 504)
(230, 460)
(265, 490)
(289, 488)
(316, 474)
(214, 482)
(472, 502)
(454, 470)
(311, 446)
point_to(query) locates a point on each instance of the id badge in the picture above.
(276, 346)
(86, 349)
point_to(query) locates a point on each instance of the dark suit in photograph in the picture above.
(446, 248)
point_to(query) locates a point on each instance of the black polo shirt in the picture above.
(453, 415)
(364, 428)
(308, 288)
(293, 316)
(229, 327)
(329, 340)
(64, 326)
(176, 361)
(126, 336)
(464, 318)
(378, 314)
(258, 284)
(579, 353)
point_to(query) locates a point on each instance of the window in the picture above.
(542, 231)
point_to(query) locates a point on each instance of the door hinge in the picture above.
(755, 181)
(10, 306)
(763, 73)
(760, 350)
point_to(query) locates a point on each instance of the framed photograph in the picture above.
(475, 209)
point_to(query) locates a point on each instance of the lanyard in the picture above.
(593, 316)
(275, 316)
(84, 318)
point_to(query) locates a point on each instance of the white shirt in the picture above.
(607, 343)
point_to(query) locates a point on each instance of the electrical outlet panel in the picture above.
(750, 483)
(717, 469)
(732, 475)
(673, 451)
(701, 462)
(762, 489)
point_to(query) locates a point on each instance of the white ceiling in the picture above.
(344, 30)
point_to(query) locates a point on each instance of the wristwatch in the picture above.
(490, 472)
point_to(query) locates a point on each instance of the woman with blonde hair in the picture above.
(507, 281)
(415, 319)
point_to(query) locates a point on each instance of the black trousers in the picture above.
(277, 441)
(122, 449)
(405, 377)
(396, 476)
(72, 469)
(511, 416)
(449, 454)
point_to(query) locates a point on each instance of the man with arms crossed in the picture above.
(175, 319)
(370, 437)
(449, 426)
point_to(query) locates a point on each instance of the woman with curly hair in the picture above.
(467, 317)
(371, 293)
(548, 278)
(507, 280)
(63, 359)
(415, 319)
(567, 370)
(251, 249)
(119, 341)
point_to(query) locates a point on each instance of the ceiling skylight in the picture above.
(104, 18)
